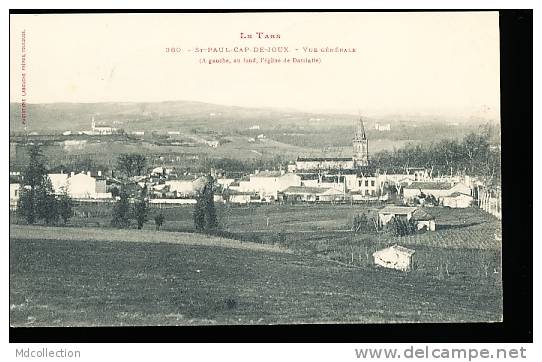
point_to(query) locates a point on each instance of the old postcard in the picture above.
(254, 168)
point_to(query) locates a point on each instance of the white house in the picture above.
(437, 189)
(394, 257)
(457, 200)
(102, 129)
(14, 195)
(225, 182)
(383, 127)
(239, 197)
(70, 145)
(213, 143)
(59, 181)
(324, 163)
(183, 187)
(269, 183)
(421, 218)
(84, 186)
(387, 213)
(367, 185)
(312, 194)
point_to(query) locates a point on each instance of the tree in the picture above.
(204, 212)
(199, 214)
(398, 226)
(159, 220)
(211, 221)
(65, 207)
(132, 164)
(25, 205)
(46, 203)
(115, 191)
(141, 210)
(363, 224)
(36, 191)
(121, 210)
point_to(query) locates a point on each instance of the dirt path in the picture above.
(139, 236)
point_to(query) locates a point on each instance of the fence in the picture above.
(491, 202)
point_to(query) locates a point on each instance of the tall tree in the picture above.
(211, 221)
(35, 188)
(204, 211)
(46, 202)
(121, 211)
(141, 208)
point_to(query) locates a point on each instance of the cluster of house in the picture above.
(83, 185)
(308, 179)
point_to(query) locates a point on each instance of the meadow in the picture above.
(465, 244)
(267, 264)
(92, 279)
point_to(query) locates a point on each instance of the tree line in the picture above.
(471, 155)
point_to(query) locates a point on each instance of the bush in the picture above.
(159, 220)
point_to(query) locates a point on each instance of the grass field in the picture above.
(464, 245)
(279, 264)
(93, 279)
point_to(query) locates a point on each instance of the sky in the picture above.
(425, 63)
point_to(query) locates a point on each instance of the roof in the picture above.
(403, 249)
(429, 185)
(397, 248)
(307, 190)
(458, 194)
(268, 174)
(312, 159)
(237, 193)
(92, 174)
(184, 178)
(309, 176)
(397, 210)
(422, 215)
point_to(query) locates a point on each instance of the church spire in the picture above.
(360, 144)
(360, 131)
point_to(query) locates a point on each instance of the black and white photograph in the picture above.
(258, 168)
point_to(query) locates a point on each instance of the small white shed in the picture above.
(457, 200)
(394, 257)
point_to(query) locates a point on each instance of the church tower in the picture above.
(361, 146)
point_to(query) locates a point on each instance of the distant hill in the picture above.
(187, 115)
(154, 116)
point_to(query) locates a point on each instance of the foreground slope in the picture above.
(81, 278)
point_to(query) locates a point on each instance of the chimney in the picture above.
(99, 173)
(72, 174)
(88, 173)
